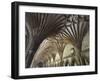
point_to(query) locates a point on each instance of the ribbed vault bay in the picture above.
(53, 40)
